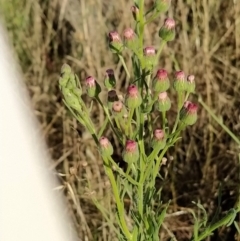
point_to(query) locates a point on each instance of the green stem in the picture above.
(160, 48)
(224, 127)
(141, 23)
(164, 120)
(129, 124)
(180, 104)
(110, 120)
(119, 203)
(124, 65)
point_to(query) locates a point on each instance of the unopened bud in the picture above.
(149, 54)
(163, 102)
(131, 152)
(105, 146)
(92, 87)
(161, 81)
(159, 139)
(109, 81)
(188, 113)
(162, 5)
(191, 83)
(71, 99)
(133, 98)
(112, 97)
(115, 42)
(180, 83)
(167, 31)
(135, 13)
(130, 39)
(118, 108)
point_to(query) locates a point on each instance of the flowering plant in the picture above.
(139, 121)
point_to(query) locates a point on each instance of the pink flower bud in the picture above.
(149, 54)
(161, 81)
(115, 42)
(180, 83)
(105, 146)
(135, 12)
(131, 152)
(188, 113)
(167, 31)
(163, 103)
(159, 139)
(133, 98)
(109, 80)
(92, 87)
(117, 106)
(191, 83)
(130, 39)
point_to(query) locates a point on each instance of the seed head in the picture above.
(135, 12)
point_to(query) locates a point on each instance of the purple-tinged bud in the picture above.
(191, 83)
(163, 102)
(159, 139)
(115, 42)
(130, 39)
(92, 87)
(131, 151)
(109, 80)
(149, 54)
(161, 81)
(105, 146)
(180, 83)
(135, 13)
(133, 98)
(167, 31)
(162, 5)
(112, 97)
(188, 113)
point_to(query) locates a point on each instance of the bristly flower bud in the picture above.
(109, 80)
(112, 97)
(162, 5)
(167, 31)
(131, 151)
(135, 13)
(163, 103)
(118, 109)
(180, 83)
(159, 139)
(115, 42)
(191, 83)
(149, 54)
(92, 87)
(105, 146)
(133, 98)
(188, 113)
(130, 39)
(161, 81)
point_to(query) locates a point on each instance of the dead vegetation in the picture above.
(46, 34)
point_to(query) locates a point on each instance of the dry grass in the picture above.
(48, 33)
